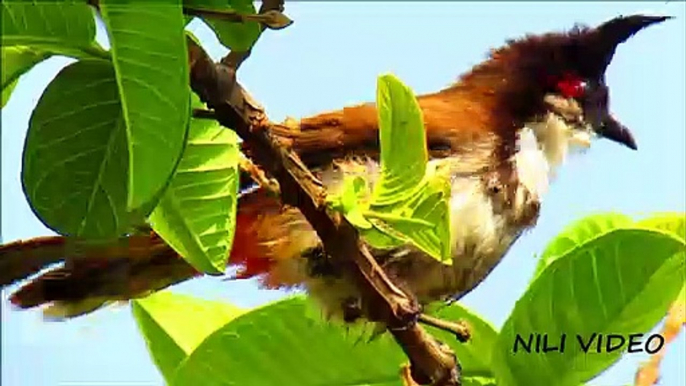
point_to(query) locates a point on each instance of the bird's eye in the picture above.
(571, 86)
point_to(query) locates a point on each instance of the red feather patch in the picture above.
(571, 86)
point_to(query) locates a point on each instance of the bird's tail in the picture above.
(92, 275)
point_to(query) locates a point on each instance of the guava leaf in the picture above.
(17, 60)
(174, 325)
(621, 280)
(409, 203)
(75, 162)
(197, 213)
(235, 36)
(289, 343)
(672, 223)
(32, 32)
(423, 220)
(349, 201)
(65, 28)
(402, 140)
(148, 48)
(580, 232)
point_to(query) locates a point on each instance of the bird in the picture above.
(502, 130)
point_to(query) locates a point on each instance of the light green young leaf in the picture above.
(197, 213)
(349, 201)
(235, 36)
(423, 220)
(408, 205)
(16, 60)
(478, 381)
(402, 140)
(269, 345)
(174, 325)
(7, 92)
(620, 282)
(433, 206)
(150, 59)
(672, 223)
(76, 160)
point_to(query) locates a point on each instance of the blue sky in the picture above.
(331, 57)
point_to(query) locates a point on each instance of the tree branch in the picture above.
(215, 84)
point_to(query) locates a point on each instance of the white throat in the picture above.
(543, 146)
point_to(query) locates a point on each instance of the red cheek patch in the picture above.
(571, 86)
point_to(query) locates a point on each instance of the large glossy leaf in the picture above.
(621, 281)
(16, 60)
(578, 233)
(75, 163)
(150, 59)
(235, 36)
(64, 27)
(288, 343)
(174, 325)
(673, 223)
(196, 216)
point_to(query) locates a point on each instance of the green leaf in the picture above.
(32, 32)
(422, 220)
(402, 141)
(672, 223)
(75, 161)
(66, 28)
(289, 343)
(579, 233)
(235, 36)
(410, 201)
(622, 281)
(353, 191)
(150, 59)
(478, 381)
(174, 325)
(197, 214)
(16, 60)
(7, 92)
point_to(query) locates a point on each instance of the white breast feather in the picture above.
(542, 148)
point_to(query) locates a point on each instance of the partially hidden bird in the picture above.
(502, 130)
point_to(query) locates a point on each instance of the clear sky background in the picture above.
(331, 57)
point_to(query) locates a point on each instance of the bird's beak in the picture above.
(614, 130)
(603, 123)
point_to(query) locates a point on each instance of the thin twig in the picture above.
(649, 372)
(234, 59)
(258, 175)
(204, 114)
(459, 329)
(225, 15)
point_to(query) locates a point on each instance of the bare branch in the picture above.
(215, 84)
(649, 373)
